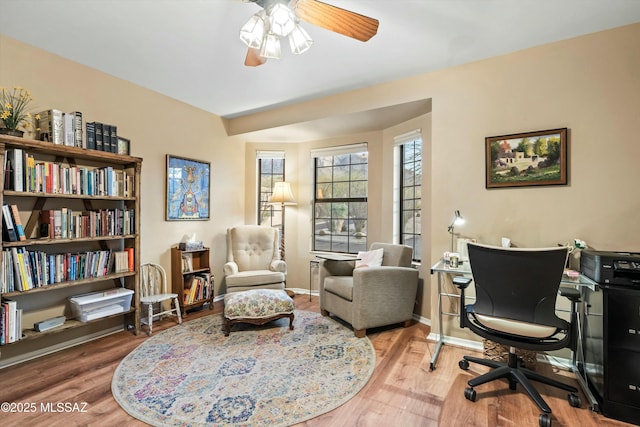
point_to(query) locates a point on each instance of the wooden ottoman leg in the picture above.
(227, 327)
(291, 322)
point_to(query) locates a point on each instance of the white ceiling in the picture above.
(190, 50)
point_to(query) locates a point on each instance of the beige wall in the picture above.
(588, 84)
(157, 125)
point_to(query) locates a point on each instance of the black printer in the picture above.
(612, 268)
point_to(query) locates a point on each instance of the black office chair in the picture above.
(516, 292)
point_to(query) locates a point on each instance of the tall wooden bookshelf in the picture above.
(52, 300)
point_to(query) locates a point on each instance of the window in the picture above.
(270, 171)
(409, 197)
(340, 199)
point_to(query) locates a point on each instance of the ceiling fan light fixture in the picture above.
(281, 20)
(252, 32)
(271, 46)
(299, 40)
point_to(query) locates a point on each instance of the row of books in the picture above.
(24, 173)
(22, 270)
(65, 223)
(67, 129)
(197, 287)
(12, 228)
(60, 128)
(10, 322)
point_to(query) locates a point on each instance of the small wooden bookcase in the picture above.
(191, 278)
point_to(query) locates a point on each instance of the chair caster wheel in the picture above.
(464, 364)
(574, 400)
(470, 394)
(544, 420)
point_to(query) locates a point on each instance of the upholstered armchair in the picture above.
(370, 296)
(253, 259)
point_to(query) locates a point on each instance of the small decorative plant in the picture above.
(13, 108)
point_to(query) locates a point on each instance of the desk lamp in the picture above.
(282, 195)
(457, 220)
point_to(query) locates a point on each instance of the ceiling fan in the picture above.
(280, 18)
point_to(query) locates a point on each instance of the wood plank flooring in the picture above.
(402, 391)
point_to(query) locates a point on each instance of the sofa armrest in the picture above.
(230, 268)
(279, 266)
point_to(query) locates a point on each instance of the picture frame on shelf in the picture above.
(187, 192)
(124, 146)
(526, 159)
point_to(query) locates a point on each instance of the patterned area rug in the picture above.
(192, 375)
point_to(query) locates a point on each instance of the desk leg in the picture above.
(434, 358)
(577, 357)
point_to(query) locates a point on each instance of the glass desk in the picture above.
(464, 269)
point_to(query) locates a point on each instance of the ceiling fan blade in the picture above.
(253, 58)
(336, 19)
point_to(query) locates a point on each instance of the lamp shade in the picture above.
(281, 20)
(458, 220)
(252, 32)
(282, 194)
(271, 46)
(299, 40)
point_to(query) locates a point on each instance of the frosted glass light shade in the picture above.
(252, 32)
(281, 20)
(270, 46)
(299, 40)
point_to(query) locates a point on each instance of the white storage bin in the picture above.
(101, 304)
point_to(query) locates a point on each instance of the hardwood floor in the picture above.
(402, 391)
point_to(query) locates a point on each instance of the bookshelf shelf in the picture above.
(70, 283)
(186, 267)
(32, 334)
(118, 197)
(47, 241)
(64, 196)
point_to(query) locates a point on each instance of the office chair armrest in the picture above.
(572, 294)
(461, 282)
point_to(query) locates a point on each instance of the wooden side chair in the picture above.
(154, 291)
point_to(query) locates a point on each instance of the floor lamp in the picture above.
(282, 196)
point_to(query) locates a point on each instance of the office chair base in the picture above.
(516, 374)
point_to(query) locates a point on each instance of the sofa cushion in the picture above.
(257, 304)
(255, 277)
(340, 285)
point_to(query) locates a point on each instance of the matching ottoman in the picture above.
(257, 306)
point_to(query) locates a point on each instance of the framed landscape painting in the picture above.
(526, 159)
(187, 195)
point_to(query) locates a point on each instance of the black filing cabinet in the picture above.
(611, 344)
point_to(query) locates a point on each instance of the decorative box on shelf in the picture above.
(190, 246)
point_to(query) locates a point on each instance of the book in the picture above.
(47, 218)
(91, 135)
(121, 261)
(51, 125)
(99, 136)
(57, 224)
(77, 123)
(106, 137)
(17, 222)
(69, 129)
(8, 227)
(114, 139)
(130, 259)
(16, 157)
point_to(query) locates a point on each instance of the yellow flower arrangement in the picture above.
(13, 108)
